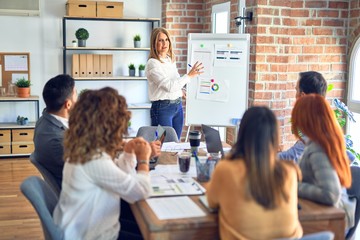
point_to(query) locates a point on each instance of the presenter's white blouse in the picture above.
(164, 80)
(89, 204)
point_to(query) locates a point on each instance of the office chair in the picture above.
(44, 200)
(148, 133)
(354, 192)
(48, 177)
(325, 235)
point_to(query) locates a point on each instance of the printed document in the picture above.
(175, 208)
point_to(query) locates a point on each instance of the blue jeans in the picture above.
(167, 113)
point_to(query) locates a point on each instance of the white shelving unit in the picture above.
(67, 50)
(13, 126)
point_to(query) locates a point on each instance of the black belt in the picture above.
(177, 101)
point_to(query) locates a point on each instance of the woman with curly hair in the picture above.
(324, 163)
(99, 167)
(256, 194)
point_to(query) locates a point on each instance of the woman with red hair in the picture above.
(324, 163)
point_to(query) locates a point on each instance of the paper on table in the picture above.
(171, 185)
(178, 147)
(173, 170)
(174, 208)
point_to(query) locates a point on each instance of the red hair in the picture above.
(313, 116)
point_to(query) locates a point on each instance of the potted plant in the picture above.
(23, 87)
(82, 35)
(131, 70)
(74, 43)
(22, 120)
(141, 70)
(137, 41)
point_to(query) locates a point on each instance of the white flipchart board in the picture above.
(220, 94)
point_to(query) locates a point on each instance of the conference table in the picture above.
(313, 217)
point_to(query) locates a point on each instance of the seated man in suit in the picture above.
(309, 82)
(59, 94)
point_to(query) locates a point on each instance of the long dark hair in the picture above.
(257, 145)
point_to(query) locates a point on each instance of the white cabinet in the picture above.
(17, 140)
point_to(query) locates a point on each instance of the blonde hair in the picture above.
(313, 116)
(154, 39)
(97, 124)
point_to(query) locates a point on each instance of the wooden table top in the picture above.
(313, 217)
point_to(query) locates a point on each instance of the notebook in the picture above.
(212, 140)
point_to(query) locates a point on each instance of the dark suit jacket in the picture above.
(49, 148)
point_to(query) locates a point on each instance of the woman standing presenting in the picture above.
(165, 83)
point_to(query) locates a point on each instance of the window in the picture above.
(221, 24)
(221, 18)
(354, 95)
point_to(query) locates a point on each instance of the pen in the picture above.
(156, 135)
(189, 65)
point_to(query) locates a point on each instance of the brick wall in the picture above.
(287, 37)
(182, 17)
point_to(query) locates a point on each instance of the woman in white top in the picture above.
(100, 167)
(165, 83)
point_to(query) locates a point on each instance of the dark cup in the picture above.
(184, 161)
(194, 137)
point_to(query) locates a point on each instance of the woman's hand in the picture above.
(155, 148)
(140, 147)
(196, 70)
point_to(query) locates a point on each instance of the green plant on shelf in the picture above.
(137, 37)
(141, 67)
(131, 66)
(22, 83)
(82, 34)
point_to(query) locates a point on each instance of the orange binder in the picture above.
(102, 65)
(82, 65)
(109, 65)
(75, 66)
(96, 65)
(89, 65)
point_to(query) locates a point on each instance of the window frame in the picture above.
(219, 8)
(353, 105)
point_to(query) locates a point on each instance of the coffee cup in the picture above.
(184, 159)
(194, 137)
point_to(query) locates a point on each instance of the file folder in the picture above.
(109, 65)
(83, 65)
(96, 65)
(89, 65)
(102, 65)
(75, 66)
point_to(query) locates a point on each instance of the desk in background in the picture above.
(313, 217)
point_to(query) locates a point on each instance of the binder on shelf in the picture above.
(75, 65)
(109, 65)
(82, 65)
(103, 65)
(96, 65)
(89, 65)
